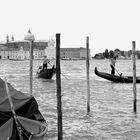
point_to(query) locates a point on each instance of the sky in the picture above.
(109, 24)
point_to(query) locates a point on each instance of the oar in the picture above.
(119, 74)
(117, 71)
(12, 109)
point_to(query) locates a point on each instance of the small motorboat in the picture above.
(116, 78)
(22, 120)
(46, 74)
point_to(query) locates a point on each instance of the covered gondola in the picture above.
(116, 78)
(26, 123)
(46, 74)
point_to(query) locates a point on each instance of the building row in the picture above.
(20, 50)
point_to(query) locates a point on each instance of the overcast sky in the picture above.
(110, 24)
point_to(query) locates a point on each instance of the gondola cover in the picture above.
(28, 120)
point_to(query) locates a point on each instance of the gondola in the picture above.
(116, 78)
(47, 74)
(26, 122)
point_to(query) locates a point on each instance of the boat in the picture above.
(116, 78)
(23, 120)
(46, 74)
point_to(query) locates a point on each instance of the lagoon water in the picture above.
(111, 104)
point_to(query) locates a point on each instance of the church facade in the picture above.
(20, 50)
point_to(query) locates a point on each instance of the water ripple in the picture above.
(111, 104)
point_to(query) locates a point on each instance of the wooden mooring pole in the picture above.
(30, 37)
(58, 82)
(88, 83)
(134, 77)
(31, 66)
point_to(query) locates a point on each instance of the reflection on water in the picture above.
(111, 116)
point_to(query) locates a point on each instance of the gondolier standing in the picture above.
(45, 62)
(112, 64)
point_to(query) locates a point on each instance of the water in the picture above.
(111, 104)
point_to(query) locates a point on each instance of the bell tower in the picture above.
(12, 38)
(7, 38)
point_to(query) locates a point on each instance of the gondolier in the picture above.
(112, 65)
(45, 63)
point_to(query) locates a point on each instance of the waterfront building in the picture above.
(21, 49)
(50, 51)
(73, 53)
(12, 49)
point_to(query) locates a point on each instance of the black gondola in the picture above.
(116, 78)
(46, 74)
(27, 122)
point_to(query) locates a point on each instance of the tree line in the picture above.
(109, 54)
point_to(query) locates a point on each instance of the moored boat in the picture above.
(116, 78)
(26, 122)
(46, 74)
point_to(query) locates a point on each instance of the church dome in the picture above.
(29, 36)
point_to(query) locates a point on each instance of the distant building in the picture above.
(73, 53)
(11, 49)
(21, 49)
(50, 51)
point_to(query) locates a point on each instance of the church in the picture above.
(20, 50)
